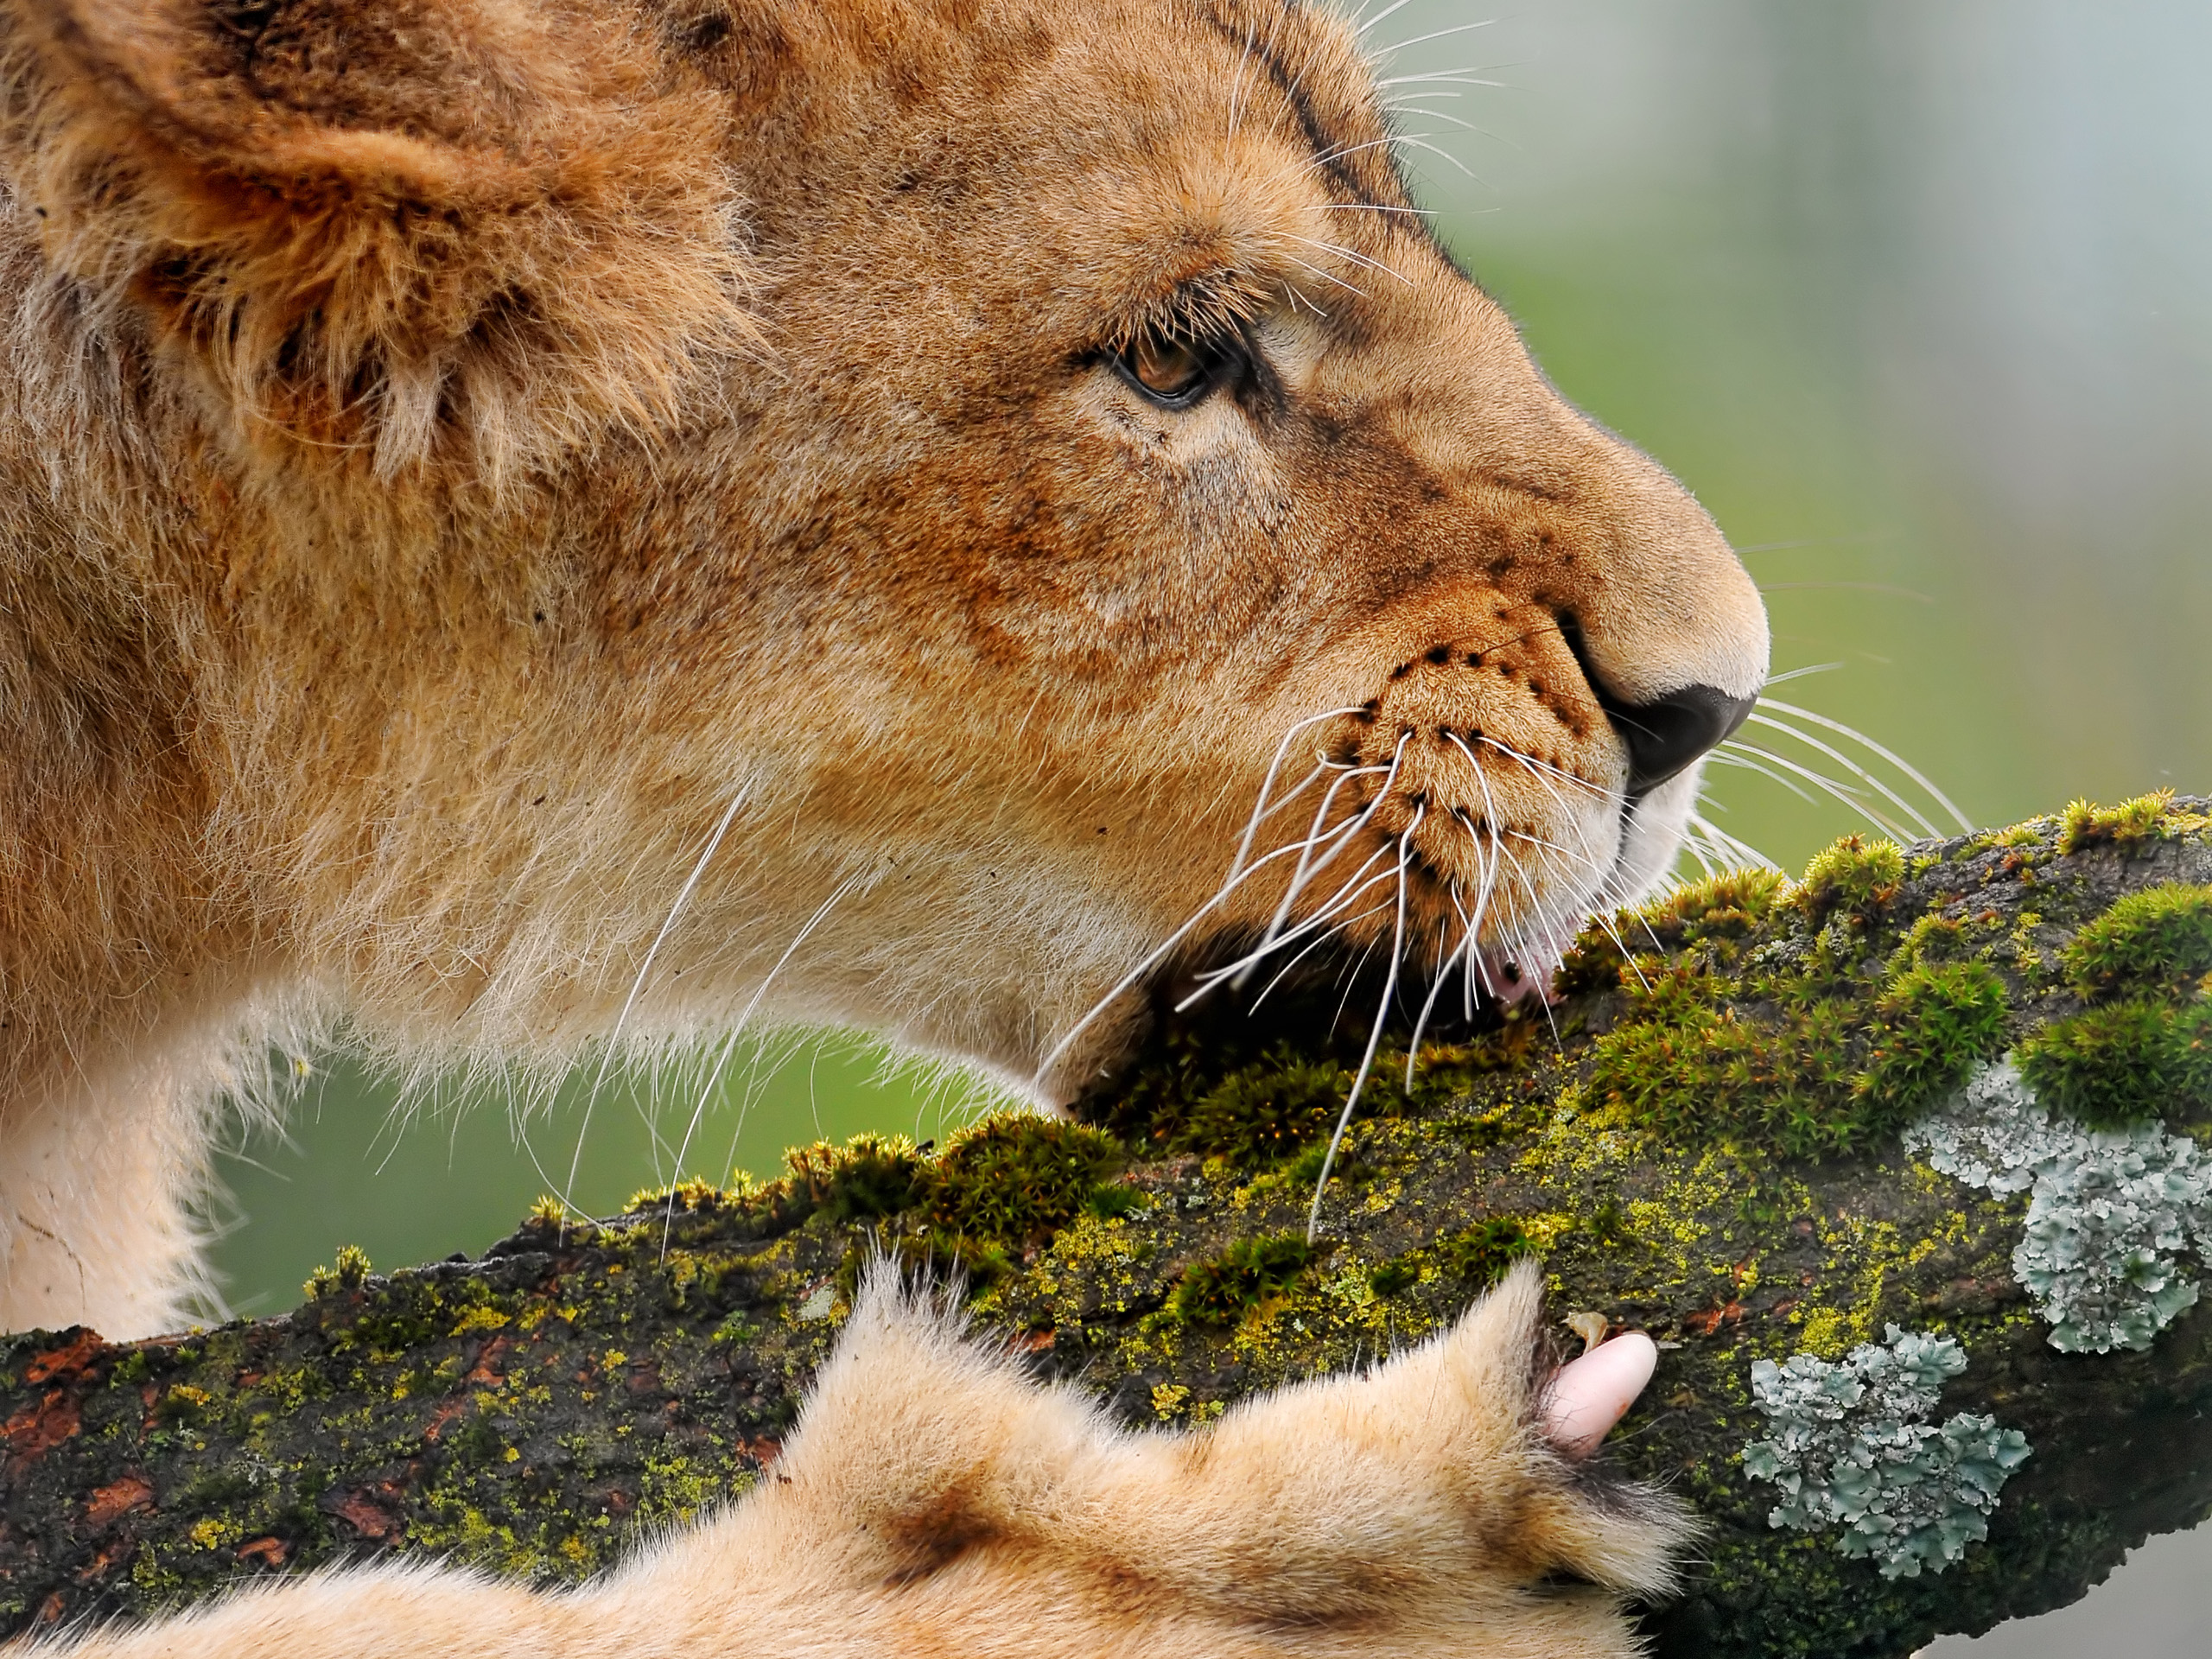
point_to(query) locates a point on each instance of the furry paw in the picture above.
(936, 1501)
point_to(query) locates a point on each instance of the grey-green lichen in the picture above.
(2110, 1215)
(1851, 1446)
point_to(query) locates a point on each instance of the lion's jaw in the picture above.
(905, 664)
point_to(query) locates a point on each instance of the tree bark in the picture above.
(1704, 1142)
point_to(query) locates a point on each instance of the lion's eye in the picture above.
(1176, 372)
(1167, 368)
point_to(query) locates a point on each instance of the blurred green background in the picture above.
(1917, 294)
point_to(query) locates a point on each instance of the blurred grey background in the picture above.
(1917, 294)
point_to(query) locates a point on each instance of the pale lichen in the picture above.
(1851, 1446)
(2111, 1211)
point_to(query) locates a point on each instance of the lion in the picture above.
(533, 525)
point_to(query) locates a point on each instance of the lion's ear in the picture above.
(473, 232)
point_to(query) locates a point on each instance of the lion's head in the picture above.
(910, 512)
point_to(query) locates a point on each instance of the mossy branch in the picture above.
(1706, 1138)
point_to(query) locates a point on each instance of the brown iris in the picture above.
(1169, 369)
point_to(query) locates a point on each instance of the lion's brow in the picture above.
(1332, 153)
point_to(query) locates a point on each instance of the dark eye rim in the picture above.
(1221, 360)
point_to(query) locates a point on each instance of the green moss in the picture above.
(1937, 1023)
(1393, 1276)
(349, 1272)
(184, 1405)
(737, 1329)
(692, 1196)
(869, 1176)
(1018, 1177)
(1250, 1272)
(1796, 1060)
(1931, 938)
(1852, 876)
(2124, 1062)
(1727, 904)
(1715, 912)
(1266, 1111)
(1482, 1252)
(1113, 1201)
(2128, 825)
(1687, 1068)
(2158, 940)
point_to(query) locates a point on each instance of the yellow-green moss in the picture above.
(870, 1175)
(2124, 1062)
(1018, 1177)
(1935, 1024)
(1853, 874)
(1251, 1271)
(1268, 1111)
(2130, 823)
(349, 1272)
(2157, 941)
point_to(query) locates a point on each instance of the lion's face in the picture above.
(1126, 536)
(1131, 397)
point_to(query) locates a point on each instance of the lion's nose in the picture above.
(1666, 735)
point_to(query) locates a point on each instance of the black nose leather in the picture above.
(1666, 735)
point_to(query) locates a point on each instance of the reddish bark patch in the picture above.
(366, 1517)
(111, 1502)
(67, 1361)
(36, 1430)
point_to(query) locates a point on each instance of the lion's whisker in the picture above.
(1536, 770)
(1421, 142)
(1354, 255)
(1305, 869)
(1460, 77)
(1325, 275)
(1871, 746)
(1260, 808)
(1362, 27)
(1159, 952)
(1354, 884)
(1375, 1036)
(1471, 948)
(1237, 82)
(1442, 976)
(1808, 670)
(637, 987)
(1720, 839)
(1602, 901)
(744, 1018)
(1435, 35)
(1370, 206)
(1721, 757)
(1285, 971)
(1920, 820)
(1442, 115)
(1820, 781)
(1498, 854)
(1545, 767)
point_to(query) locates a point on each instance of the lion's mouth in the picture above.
(1460, 907)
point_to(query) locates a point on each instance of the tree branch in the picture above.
(1707, 1139)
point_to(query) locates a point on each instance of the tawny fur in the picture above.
(456, 453)
(462, 462)
(934, 1503)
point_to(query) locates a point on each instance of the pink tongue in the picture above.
(1587, 1397)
